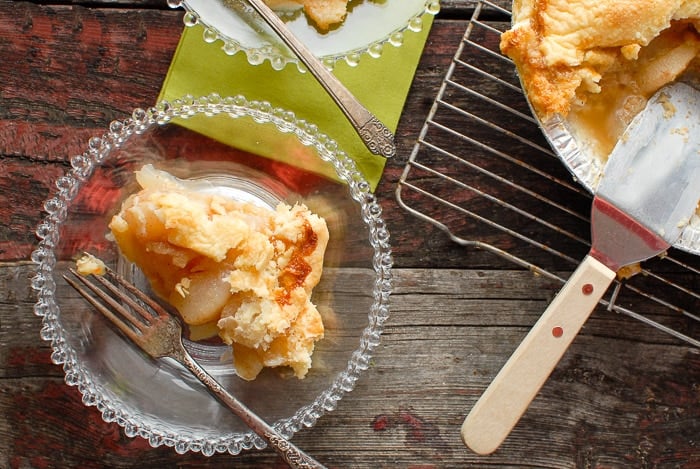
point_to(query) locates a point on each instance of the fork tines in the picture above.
(110, 293)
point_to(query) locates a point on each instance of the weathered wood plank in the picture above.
(69, 71)
(625, 395)
(607, 404)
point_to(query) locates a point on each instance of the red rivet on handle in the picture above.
(587, 289)
(557, 331)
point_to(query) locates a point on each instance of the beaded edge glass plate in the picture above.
(67, 352)
(368, 27)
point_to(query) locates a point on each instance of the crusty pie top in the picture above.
(324, 13)
(563, 48)
(243, 271)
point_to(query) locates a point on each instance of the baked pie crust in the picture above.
(596, 62)
(324, 13)
(242, 271)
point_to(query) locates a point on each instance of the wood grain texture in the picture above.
(624, 395)
(69, 71)
(49, 107)
(629, 401)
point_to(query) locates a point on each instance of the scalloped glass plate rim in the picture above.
(237, 30)
(56, 212)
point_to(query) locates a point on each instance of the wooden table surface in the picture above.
(625, 394)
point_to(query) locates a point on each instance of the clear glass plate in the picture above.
(369, 25)
(159, 400)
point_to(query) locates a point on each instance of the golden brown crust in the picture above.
(563, 48)
(324, 13)
(248, 270)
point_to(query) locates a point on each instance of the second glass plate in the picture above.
(368, 27)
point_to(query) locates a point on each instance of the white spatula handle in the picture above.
(508, 396)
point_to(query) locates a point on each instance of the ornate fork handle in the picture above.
(375, 135)
(292, 455)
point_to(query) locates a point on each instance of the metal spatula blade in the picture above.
(650, 189)
(652, 176)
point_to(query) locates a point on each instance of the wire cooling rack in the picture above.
(479, 176)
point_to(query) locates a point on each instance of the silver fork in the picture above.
(159, 334)
(375, 135)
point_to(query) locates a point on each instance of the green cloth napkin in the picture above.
(199, 69)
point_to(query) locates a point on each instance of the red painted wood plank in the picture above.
(68, 71)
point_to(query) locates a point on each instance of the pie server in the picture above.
(649, 190)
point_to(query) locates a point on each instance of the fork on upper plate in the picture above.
(374, 134)
(159, 334)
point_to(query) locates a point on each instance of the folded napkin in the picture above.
(199, 69)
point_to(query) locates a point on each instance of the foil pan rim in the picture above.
(587, 170)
